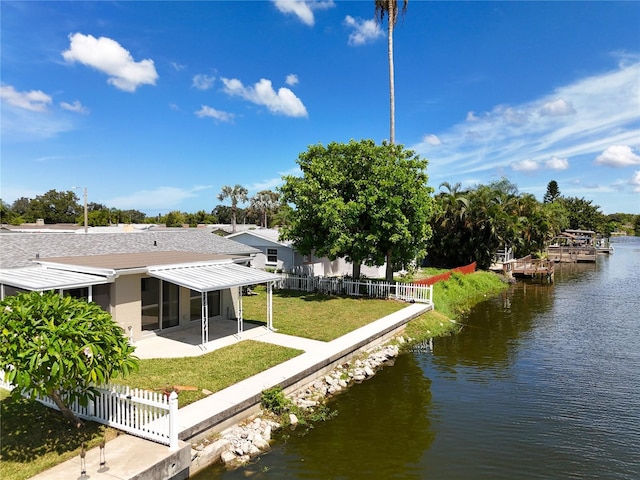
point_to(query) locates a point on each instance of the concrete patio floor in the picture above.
(186, 342)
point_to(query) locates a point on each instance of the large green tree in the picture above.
(471, 225)
(61, 347)
(552, 193)
(55, 207)
(365, 202)
(583, 214)
(237, 194)
(389, 8)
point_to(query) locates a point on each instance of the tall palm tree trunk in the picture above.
(392, 95)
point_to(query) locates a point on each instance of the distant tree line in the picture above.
(472, 224)
(369, 204)
(65, 207)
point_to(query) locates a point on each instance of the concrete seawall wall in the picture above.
(244, 397)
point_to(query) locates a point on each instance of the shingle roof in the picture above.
(270, 234)
(20, 249)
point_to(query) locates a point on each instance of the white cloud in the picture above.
(291, 80)
(34, 100)
(202, 81)
(178, 67)
(364, 31)
(108, 56)
(26, 117)
(472, 135)
(606, 113)
(76, 106)
(617, 156)
(272, 183)
(556, 163)
(161, 199)
(557, 108)
(303, 9)
(635, 181)
(283, 102)
(268, 184)
(32, 127)
(431, 139)
(206, 111)
(514, 116)
(527, 165)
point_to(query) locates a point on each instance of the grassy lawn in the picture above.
(315, 316)
(213, 371)
(451, 298)
(35, 438)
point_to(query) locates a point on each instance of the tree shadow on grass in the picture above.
(31, 430)
(307, 296)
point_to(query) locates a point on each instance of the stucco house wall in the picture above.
(290, 261)
(122, 297)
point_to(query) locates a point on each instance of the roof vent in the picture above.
(155, 243)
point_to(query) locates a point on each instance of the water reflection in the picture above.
(542, 383)
(374, 435)
(492, 330)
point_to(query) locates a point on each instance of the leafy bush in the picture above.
(275, 401)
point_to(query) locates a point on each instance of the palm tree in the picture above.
(237, 194)
(264, 202)
(390, 9)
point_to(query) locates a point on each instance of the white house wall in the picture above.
(126, 310)
(126, 303)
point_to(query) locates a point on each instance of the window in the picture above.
(170, 305)
(102, 296)
(82, 292)
(160, 300)
(150, 308)
(10, 290)
(272, 255)
(213, 304)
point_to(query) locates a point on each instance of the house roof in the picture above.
(198, 260)
(124, 261)
(271, 235)
(40, 279)
(21, 249)
(213, 276)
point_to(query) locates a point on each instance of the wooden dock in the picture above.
(529, 267)
(571, 254)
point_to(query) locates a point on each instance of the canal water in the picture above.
(542, 383)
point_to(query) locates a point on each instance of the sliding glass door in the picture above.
(160, 300)
(213, 304)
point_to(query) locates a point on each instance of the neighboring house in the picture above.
(149, 281)
(280, 255)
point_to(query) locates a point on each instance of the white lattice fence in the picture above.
(409, 292)
(150, 415)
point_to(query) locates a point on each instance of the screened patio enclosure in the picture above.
(208, 277)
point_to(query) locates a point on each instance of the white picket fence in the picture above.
(408, 292)
(150, 415)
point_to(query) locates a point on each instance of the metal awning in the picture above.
(40, 279)
(212, 276)
(207, 277)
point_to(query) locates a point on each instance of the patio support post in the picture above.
(205, 318)
(240, 326)
(270, 305)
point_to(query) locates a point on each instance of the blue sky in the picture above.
(156, 105)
